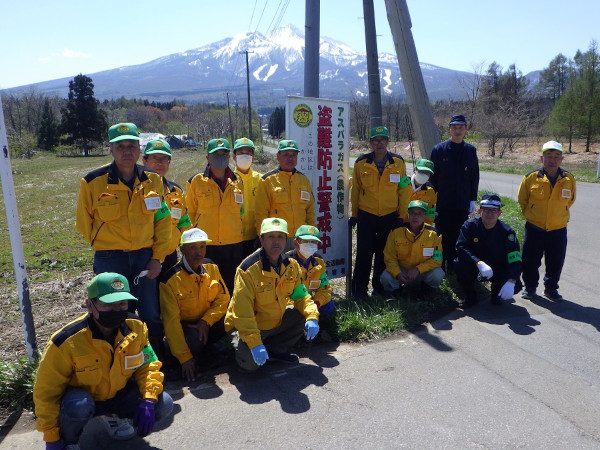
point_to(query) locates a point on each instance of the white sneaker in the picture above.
(118, 429)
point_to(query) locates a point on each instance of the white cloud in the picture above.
(71, 54)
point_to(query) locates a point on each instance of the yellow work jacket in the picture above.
(189, 296)
(380, 195)
(406, 250)
(113, 217)
(78, 355)
(250, 181)
(217, 212)
(427, 194)
(544, 205)
(314, 277)
(260, 296)
(286, 195)
(180, 221)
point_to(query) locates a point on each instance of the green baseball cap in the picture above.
(379, 131)
(122, 131)
(288, 144)
(157, 146)
(418, 204)
(217, 144)
(243, 142)
(109, 287)
(308, 233)
(424, 164)
(273, 224)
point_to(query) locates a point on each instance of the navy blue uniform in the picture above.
(456, 180)
(498, 248)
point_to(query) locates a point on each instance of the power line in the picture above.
(261, 15)
(274, 16)
(252, 16)
(282, 12)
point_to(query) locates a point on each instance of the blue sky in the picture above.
(43, 40)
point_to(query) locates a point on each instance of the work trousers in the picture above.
(448, 223)
(550, 244)
(467, 274)
(227, 258)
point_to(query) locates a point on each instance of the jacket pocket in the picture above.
(108, 207)
(87, 370)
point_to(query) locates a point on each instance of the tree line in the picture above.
(501, 106)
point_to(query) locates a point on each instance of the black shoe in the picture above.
(528, 293)
(469, 300)
(552, 294)
(286, 358)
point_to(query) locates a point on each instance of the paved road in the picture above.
(521, 375)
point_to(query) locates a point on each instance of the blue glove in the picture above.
(260, 355)
(57, 445)
(311, 328)
(352, 221)
(144, 418)
(327, 308)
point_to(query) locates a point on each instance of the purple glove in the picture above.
(144, 418)
(57, 445)
(352, 221)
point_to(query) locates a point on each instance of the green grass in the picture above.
(16, 384)
(582, 172)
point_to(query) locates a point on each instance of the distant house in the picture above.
(146, 137)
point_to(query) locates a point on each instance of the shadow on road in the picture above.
(280, 383)
(570, 311)
(508, 313)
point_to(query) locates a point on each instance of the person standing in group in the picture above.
(157, 156)
(265, 284)
(243, 156)
(488, 249)
(215, 201)
(422, 189)
(456, 180)
(100, 365)
(122, 213)
(285, 192)
(545, 196)
(380, 195)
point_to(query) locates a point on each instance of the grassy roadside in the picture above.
(582, 172)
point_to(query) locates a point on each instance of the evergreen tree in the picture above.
(48, 134)
(277, 122)
(82, 118)
(555, 78)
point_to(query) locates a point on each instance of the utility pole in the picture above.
(249, 106)
(372, 65)
(311, 48)
(230, 124)
(16, 243)
(420, 110)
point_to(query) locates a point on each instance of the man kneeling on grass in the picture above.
(264, 284)
(413, 254)
(101, 364)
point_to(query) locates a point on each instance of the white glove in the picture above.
(485, 270)
(507, 291)
(472, 206)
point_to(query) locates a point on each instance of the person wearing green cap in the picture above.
(285, 192)
(157, 156)
(380, 194)
(314, 275)
(193, 301)
(101, 364)
(265, 284)
(546, 196)
(122, 214)
(413, 254)
(422, 189)
(456, 180)
(215, 201)
(243, 156)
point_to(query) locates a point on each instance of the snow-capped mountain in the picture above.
(276, 66)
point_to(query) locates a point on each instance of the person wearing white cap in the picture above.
(265, 283)
(545, 196)
(193, 301)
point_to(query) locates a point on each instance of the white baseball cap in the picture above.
(194, 235)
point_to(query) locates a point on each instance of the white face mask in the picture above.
(421, 178)
(243, 161)
(308, 249)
